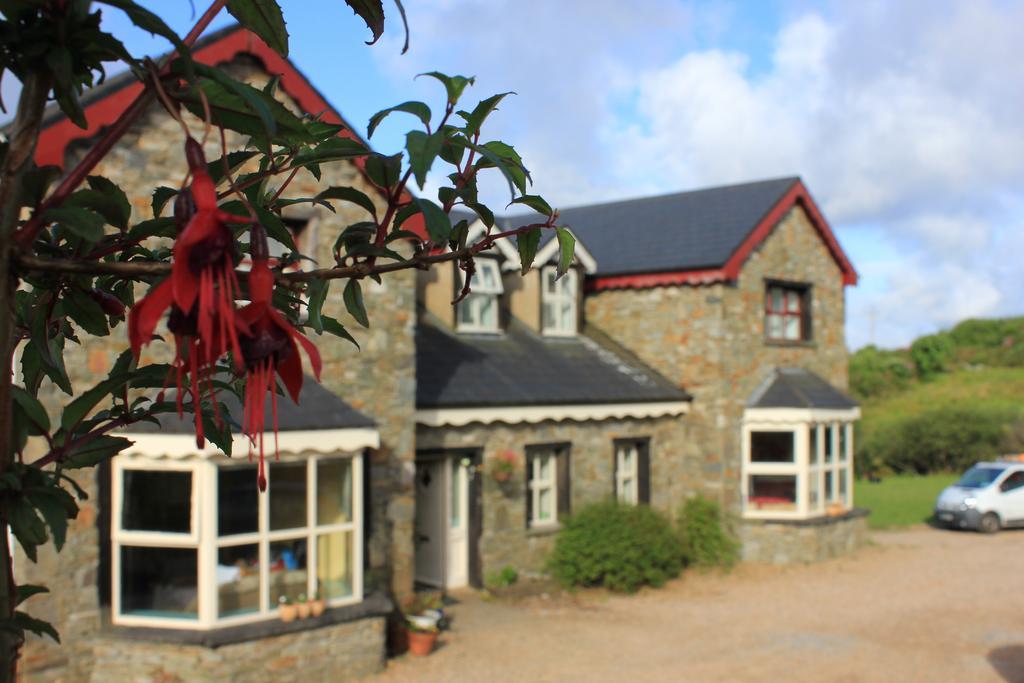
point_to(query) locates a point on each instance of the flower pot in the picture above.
(288, 612)
(501, 476)
(421, 643)
(303, 610)
(317, 607)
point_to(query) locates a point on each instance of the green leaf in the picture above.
(439, 226)
(275, 227)
(111, 201)
(353, 297)
(26, 525)
(76, 411)
(246, 110)
(41, 628)
(510, 164)
(337, 329)
(535, 202)
(80, 222)
(264, 18)
(334, 149)
(417, 109)
(161, 196)
(422, 149)
(89, 315)
(218, 434)
(96, 451)
(234, 160)
(349, 194)
(56, 506)
(384, 171)
(27, 590)
(149, 21)
(566, 246)
(486, 215)
(480, 113)
(528, 242)
(155, 227)
(453, 85)
(33, 410)
(372, 12)
(317, 293)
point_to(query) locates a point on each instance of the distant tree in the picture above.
(932, 354)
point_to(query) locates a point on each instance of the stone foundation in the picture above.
(809, 540)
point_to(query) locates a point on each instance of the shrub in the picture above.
(621, 547)
(931, 354)
(874, 372)
(705, 540)
(947, 439)
(502, 578)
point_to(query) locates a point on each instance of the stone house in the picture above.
(705, 354)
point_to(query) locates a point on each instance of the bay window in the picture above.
(797, 464)
(194, 545)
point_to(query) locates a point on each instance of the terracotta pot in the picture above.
(288, 612)
(421, 643)
(303, 609)
(317, 607)
(501, 476)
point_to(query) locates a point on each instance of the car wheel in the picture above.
(989, 523)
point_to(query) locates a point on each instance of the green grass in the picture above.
(901, 500)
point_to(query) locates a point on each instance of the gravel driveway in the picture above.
(917, 605)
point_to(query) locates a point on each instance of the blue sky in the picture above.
(904, 119)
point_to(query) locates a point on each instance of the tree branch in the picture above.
(27, 234)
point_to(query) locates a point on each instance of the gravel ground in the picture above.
(916, 605)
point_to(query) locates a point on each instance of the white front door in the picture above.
(458, 522)
(429, 540)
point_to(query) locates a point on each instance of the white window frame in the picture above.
(627, 481)
(203, 537)
(565, 289)
(538, 485)
(473, 303)
(804, 467)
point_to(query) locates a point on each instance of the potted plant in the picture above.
(421, 639)
(286, 609)
(503, 466)
(303, 606)
(317, 605)
(423, 613)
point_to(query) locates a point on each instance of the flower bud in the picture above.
(194, 155)
(110, 304)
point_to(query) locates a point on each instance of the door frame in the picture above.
(474, 529)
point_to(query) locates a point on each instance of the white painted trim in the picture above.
(322, 441)
(794, 416)
(458, 417)
(546, 253)
(550, 251)
(504, 246)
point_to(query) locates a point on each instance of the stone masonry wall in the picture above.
(787, 543)
(505, 540)
(710, 338)
(379, 380)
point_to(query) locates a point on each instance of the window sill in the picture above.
(374, 605)
(818, 520)
(800, 344)
(544, 529)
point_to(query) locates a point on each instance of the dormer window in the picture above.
(478, 312)
(559, 302)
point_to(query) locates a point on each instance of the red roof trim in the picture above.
(797, 194)
(54, 139)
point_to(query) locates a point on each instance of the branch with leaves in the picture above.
(71, 255)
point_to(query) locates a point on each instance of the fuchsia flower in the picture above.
(268, 343)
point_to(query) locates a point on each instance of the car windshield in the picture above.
(980, 477)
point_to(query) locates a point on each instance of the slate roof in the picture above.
(693, 230)
(521, 367)
(317, 409)
(798, 388)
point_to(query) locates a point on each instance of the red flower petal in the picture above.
(144, 316)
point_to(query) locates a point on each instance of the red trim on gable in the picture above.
(797, 194)
(54, 139)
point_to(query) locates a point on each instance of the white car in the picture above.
(989, 497)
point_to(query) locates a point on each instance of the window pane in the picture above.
(842, 485)
(627, 459)
(237, 501)
(843, 444)
(830, 492)
(771, 447)
(238, 580)
(829, 450)
(549, 315)
(334, 491)
(568, 319)
(544, 504)
(793, 301)
(466, 310)
(776, 298)
(813, 434)
(813, 492)
(287, 495)
(772, 492)
(792, 328)
(159, 582)
(774, 323)
(550, 284)
(488, 311)
(544, 467)
(157, 501)
(334, 559)
(287, 570)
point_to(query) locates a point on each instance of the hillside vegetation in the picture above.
(951, 399)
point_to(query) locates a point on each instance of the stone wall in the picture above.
(710, 338)
(505, 540)
(806, 541)
(379, 380)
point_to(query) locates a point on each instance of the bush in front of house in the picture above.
(705, 540)
(620, 547)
